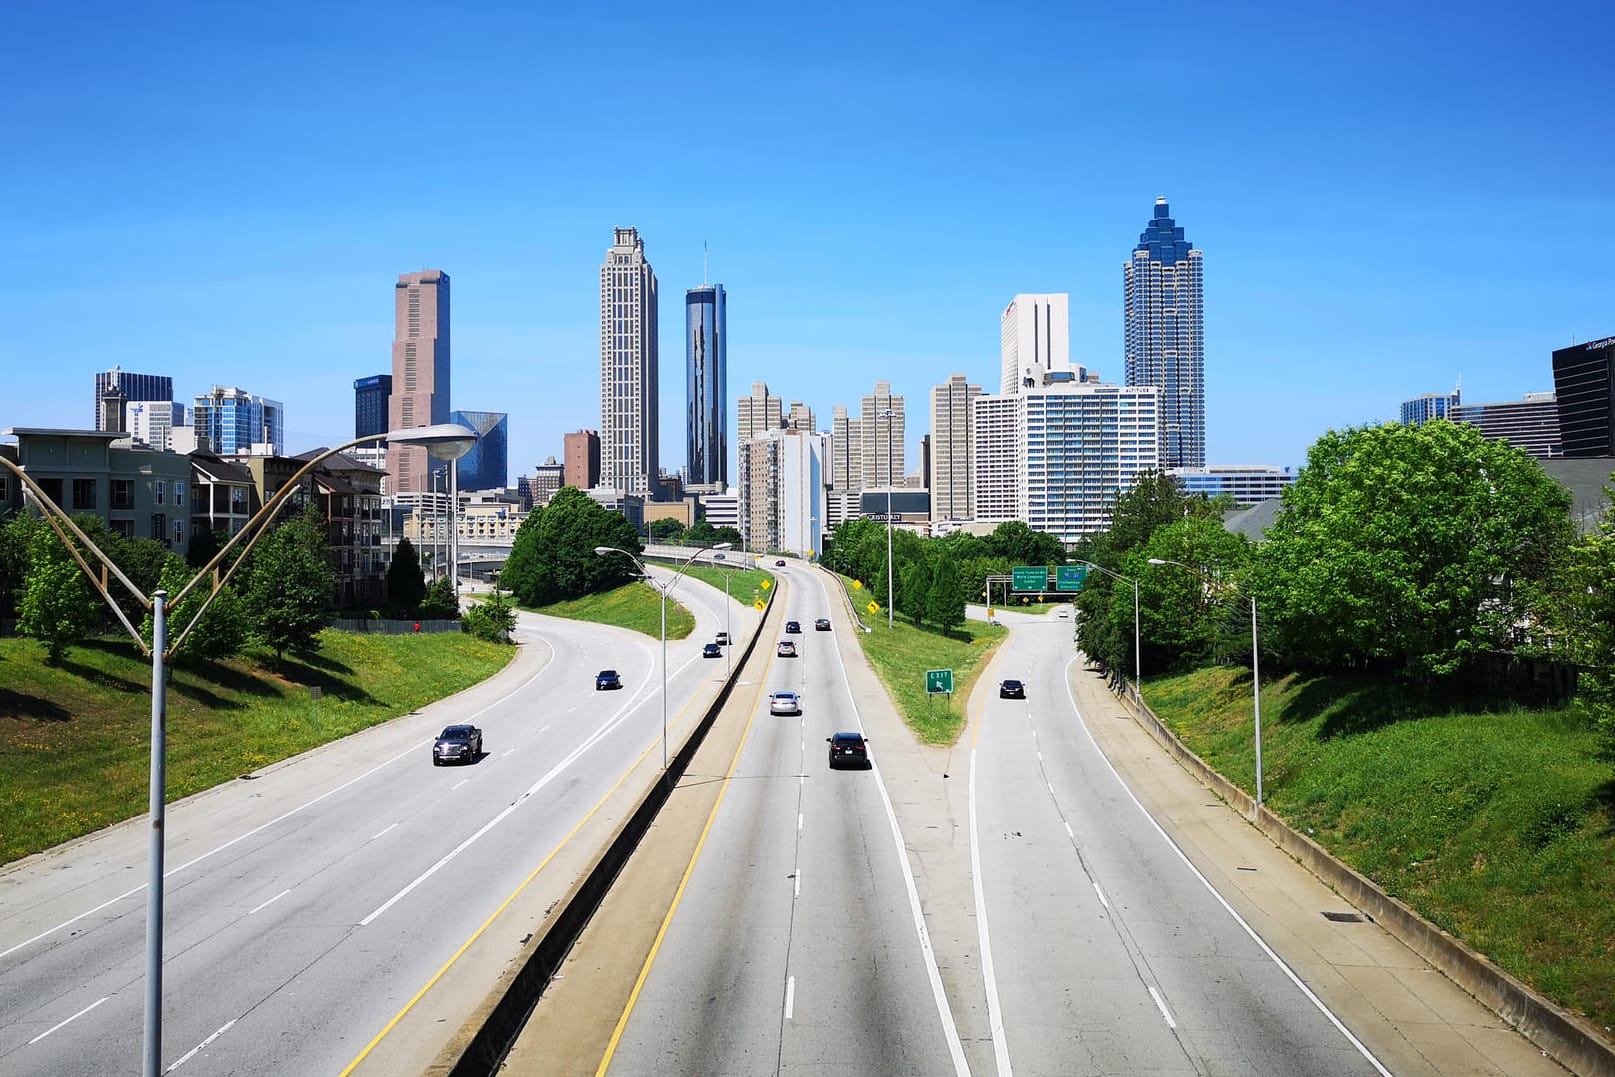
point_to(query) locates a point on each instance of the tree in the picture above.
(439, 602)
(702, 533)
(728, 534)
(406, 586)
(1411, 548)
(222, 631)
(1023, 546)
(946, 605)
(666, 529)
(16, 536)
(58, 606)
(552, 556)
(289, 585)
(1184, 620)
(204, 547)
(1586, 616)
(492, 619)
(912, 596)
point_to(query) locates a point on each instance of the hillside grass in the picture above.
(1495, 822)
(75, 738)
(901, 656)
(636, 606)
(749, 586)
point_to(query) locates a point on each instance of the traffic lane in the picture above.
(1227, 1002)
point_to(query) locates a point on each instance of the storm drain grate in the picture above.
(1343, 917)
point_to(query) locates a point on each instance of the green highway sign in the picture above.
(1070, 577)
(1029, 578)
(938, 681)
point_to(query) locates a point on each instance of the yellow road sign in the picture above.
(760, 604)
(856, 584)
(765, 585)
(873, 607)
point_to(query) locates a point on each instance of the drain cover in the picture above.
(1343, 917)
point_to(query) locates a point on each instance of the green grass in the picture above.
(75, 738)
(902, 654)
(635, 606)
(746, 585)
(1496, 824)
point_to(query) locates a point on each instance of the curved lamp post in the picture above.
(1138, 681)
(1256, 682)
(889, 414)
(663, 590)
(445, 441)
(728, 648)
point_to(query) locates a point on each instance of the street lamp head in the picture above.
(1158, 561)
(601, 551)
(443, 441)
(724, 546)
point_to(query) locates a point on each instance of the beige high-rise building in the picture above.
(629, 427)
(846, 468)
(952, 479)
(420, 395)
(881, 438)
(758, 413)
(800, 418)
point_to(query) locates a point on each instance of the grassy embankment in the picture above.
(635, 606)
(1496, 824)
(74, 738)
(745, 585)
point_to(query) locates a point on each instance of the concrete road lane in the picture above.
(305, 906)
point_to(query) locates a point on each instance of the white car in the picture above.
(784, 703)
(1065, 611)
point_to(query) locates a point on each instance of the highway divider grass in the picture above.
(903, 654)
(75, 738)
(636, 606)
(1495, 822)
(748, 586)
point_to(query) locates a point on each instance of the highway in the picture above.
(310, 903)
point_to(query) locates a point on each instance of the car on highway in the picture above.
(457, 744)
(793, 628)
(779, 564)
(848, 748)
(1065, 612)
(822, 625)
(1011, 689)
(721, 639)
(606, 679)
(712, 650)
(787, 649)
(784, 703)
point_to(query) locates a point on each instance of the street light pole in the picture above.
(1256, 681)
(888, 415)
(728, 647)
(1138, 676)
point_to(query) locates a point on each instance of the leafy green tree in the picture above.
(223, 630)
(204, 547)
(16, 536)
(58, 606)
(552, 556)
(1411, 548)
(1185, 620)
(492, 619)
(439, 603)
(1586, 619)
(946, 603)
(702, 533)
(915, 590)
(289, 585)
(728, 534)
(406, 586)
(666, 529)
(1023, 546)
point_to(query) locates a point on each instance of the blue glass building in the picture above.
(1421, 409)
(487, 465)
(370, 405)
(1166, 335)
(707, 376)
(228, 421)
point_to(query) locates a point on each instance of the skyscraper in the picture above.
(629, 430)
(1584, 383)
(228, 420)
(1034, 336)
(846, 451)
(370, 405)
(952, 479)
(486, 466)
(758, 413)
(707, 384)
(1421, 409)
(799, 417)
(115, 388)
(1166, 335)
(582, 459)
(420, 394)
(881, 438)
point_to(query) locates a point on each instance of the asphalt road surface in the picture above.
(306, 905)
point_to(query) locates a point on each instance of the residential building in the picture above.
(486, 465)
(581, 451)
(1034, 337)
(1584, 385)
(782, 492)
(846, 451)
(347, 493)
(629, 426)
(800, 417)
(548, 477)
(707, 384)
(1165, 335)
(1421, 409)
(234, 422)
(951, 478)
(116, 387)
(998, 456)
(1530, 424)
(421, 373)
(881, 437)
(1247, 485)
(757, 414)
(223, 494)
(370, 396)
(151, 422)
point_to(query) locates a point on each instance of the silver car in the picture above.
(784, 703)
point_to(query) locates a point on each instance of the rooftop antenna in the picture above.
(703, 263)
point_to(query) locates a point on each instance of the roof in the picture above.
(1254, 521)
(338, 461)
(1586, 478)
(220, 470)
(61, 432)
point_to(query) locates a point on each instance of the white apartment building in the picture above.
(952, 478)
(1248, 484)
(782, 505)
(152, 422)
(999, 457)
(1034, 338)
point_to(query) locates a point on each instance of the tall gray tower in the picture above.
(1166, 335)
(707, 370)
(629, 430)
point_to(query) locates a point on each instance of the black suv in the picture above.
(1011, 690)
(848, 748)
(457, 744)
(793, 627)
(712, 650)
(605, 679)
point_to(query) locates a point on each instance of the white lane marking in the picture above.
(1101, 894)
(70, 1020)
(194, 1051)
(799, 820)
(574, 710)
(1069, 832)
(950, 1030)
(790, 996)
(1051, 787)
(457, 784)
(544, 729)
(379, 833)
(1040, 757)
(506, 752)
(1238, 919)
(1161, 1005)
(798, 882)
(995, 1012)
(271, 901)
(277, 819)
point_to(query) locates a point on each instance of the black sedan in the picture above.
(1011, 690)
(712, 650)
(779, 564)
(457, 744)
(606, 680)
(793, 628)
(822, 625)
(848, 748)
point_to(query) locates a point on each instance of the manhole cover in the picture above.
(1343, 917)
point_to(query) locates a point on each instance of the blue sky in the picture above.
(1389, 197)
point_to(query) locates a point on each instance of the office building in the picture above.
(420, 389)
(950, 475)
(1530, 424)
(707, 385)
(721, 509)
(548, 477)
(115, 388)
(882, 425)
(1584, 384)
(846, 452)
(800, 417)
(151, 422)
(581, 452)
(781, 496)
(370, 397)
(486, 465)
(233, 422)
(1421, 409)
(1034, 338)
(998, 426)
(1165, 336)
(758, 413)
(629, 426)
(1247, 485)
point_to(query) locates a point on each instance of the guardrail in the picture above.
(852, 607)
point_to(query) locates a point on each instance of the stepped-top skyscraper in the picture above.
(707, 369)
(629, 430)
(1166, 335)
(420, 392)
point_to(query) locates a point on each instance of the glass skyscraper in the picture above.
(487, 465)
(1166, 335)
(370, 405)
(707, 380)
(228, 420)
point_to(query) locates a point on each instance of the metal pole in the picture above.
(1256, 698)
(1138, 676)
(454, 530)
(664, 675)
(728, 648)
(889, 414)
(154, 879)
